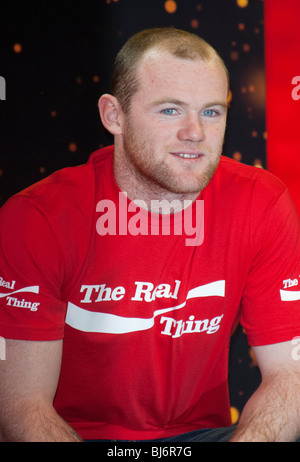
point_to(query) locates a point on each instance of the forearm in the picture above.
(35, 422)
(273, 412)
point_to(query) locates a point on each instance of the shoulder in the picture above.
(237, 172)
(247, 182)
(56, 212)
(50, 222)
(68, 190)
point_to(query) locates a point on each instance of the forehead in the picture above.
(159, 71)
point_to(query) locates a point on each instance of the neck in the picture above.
(155, 198)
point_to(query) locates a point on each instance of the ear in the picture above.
(111, 114)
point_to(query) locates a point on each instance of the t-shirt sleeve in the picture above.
(271, 299)
(31, 273)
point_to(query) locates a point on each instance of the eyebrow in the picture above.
(161, 101)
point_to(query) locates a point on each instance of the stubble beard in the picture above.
(159, 177)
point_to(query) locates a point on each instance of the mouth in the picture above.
(185, 155)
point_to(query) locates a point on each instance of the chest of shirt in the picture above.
(132, 283)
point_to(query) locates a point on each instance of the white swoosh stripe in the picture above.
(33, 289)
(289, 295)
(216, 288)
(105, 323)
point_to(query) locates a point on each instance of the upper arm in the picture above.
(30, 371)
(277, 357)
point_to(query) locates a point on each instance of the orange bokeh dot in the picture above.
(257, 163)
(17, 47)
(234, 56)
(194, 23)
(242, 3)
(251, 354)
(235, 415)
(237, 156)
(72, 147)
(170, 6)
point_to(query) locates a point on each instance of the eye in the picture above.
(210, 113)
(169, 111)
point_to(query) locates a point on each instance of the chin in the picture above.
(188, 185)
(185, 187)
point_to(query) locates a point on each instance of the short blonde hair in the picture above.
(179, 43)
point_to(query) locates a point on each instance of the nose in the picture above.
(191, 129)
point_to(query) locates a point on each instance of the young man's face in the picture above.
(174, 131)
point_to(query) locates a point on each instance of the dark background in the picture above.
(56, 59)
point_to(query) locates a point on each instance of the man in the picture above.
(123, 279)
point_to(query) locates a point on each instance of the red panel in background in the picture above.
(282, 58)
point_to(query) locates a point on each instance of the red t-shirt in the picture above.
(146, 309)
